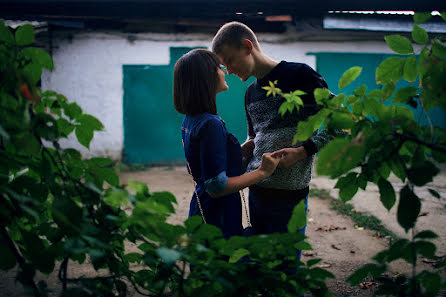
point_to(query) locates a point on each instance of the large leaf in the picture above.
(338, 157)
(24, 35)
(410, 69)
(399, 44)
(419, 35)
(439, 48)
(421, 17)
(39, 57)
(5, 34)
(423, 173)
(349, 76)
(390, 70)
(238, 254)
(404, 95)
(408, 208)
(360, 274)
(298, 218)
(387, 193)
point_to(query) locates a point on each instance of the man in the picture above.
(272, 200)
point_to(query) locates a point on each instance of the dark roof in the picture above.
(203, 9)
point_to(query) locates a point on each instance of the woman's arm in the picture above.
(238, 183)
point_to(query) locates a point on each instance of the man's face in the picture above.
(237, 61)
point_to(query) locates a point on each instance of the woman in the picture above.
(213, 154)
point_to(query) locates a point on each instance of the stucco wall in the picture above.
(88, 70)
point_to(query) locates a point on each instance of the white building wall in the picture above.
(88, 70)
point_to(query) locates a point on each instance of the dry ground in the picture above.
(335, 238)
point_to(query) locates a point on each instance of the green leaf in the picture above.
(375, 94)
(421, 17)
(426, 234)
(404, 95)
(338, 157)
(390, 70)
(116, 198)
(443, 16)
(84, 135)
(434, 193)
(73, 110)
(340, 120)
(298, 218)
(431, 281)
(321, 95)
(360, 91)
(439, 48)
(408, 208)
(313, 262)
(168, 255)
(426, 249)
(410, 69)
(398, 168)
(238, 254)
(5, 34)
(360, 274)
(24, 35)
(388, 90)
(38, 57)
(399, 44)
(305, 129)
(349, 76)
(351, 99)
(388, 197)
(90, 122)
(423, 173)
(419, 35)
(338, 100)
(302, 245)
(347, 192)
(7, 260)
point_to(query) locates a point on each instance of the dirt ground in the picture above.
(341, 244)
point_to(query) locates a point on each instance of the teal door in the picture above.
(332, 65)
(152, 126)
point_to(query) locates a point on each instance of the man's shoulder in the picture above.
(286, 66)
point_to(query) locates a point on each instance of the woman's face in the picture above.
(221, 83)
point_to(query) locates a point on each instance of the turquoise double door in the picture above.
(152, 126)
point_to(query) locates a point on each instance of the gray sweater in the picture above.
(272, 132)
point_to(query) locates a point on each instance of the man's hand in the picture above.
(248, 148)
(290, 156)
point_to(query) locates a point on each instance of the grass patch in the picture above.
(365, 220)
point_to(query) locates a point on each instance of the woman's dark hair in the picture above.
(195, 79)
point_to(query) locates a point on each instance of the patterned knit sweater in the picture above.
(272, 132)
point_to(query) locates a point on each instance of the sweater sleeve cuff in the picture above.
(310, 147)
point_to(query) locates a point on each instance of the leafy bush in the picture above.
(57, 208)
(380, 139)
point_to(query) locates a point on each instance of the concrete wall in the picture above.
(88, 70)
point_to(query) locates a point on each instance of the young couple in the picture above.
(278, 174)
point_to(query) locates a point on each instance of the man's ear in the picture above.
(247, 44)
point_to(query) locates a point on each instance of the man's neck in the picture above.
(264, 65)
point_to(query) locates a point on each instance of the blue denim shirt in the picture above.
(213, 155)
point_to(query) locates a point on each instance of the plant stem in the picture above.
(19, 259)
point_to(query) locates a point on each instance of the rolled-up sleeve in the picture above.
(217, 183)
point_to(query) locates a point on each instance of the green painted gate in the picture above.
(152, 126)
(332, 65)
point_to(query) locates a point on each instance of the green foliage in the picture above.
(57, 208)
(381, 139)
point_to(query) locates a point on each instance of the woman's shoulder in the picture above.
(198, 122)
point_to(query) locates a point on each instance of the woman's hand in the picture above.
(269, 164)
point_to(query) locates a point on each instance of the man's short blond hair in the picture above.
(232, 34)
